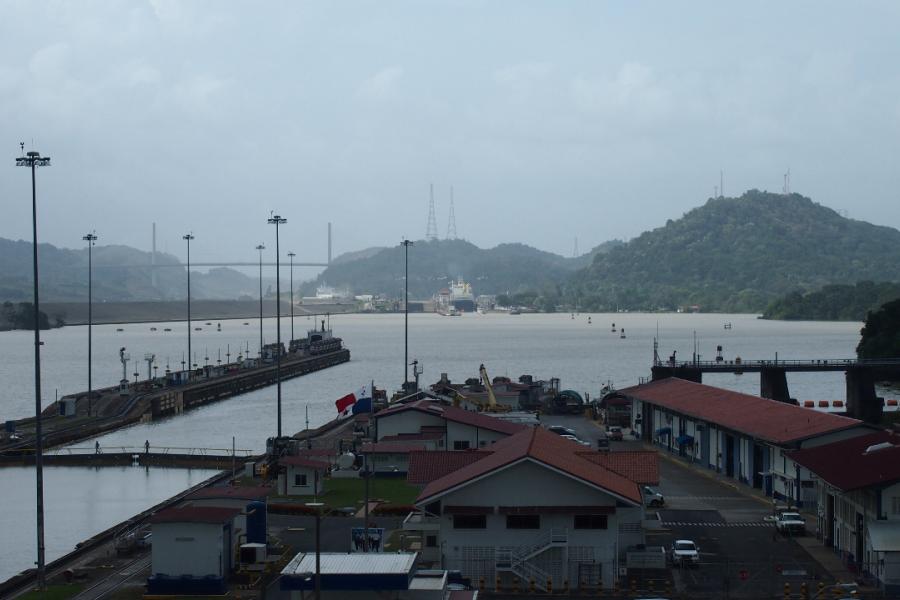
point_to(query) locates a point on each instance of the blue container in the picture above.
(256, 523)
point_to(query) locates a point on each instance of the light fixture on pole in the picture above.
(291, 255)
(277, 221)
(406, 245)
(34, 160)
(90, 239)
(260, 248)
(188, 237)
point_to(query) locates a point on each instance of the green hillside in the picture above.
(739, 254)
(834, 302)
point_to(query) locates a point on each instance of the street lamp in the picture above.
(34, 160)
(90, 239)
(406, 245)
(277, 221)
(188, 237)
(260, 248)
(291, 255)
(318, 508)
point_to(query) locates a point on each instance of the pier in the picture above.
(861, 375)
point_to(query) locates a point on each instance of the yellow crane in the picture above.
(492, 399)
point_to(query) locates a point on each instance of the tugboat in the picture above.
(589, 320)
(219, 327)
(622, 335)
(613, 327)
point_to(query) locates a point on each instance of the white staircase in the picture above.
(517, 559)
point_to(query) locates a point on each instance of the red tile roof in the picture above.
(196, 514)
(425, 467)
(230, 491)
(300, 461)
(770, 420)
(847, 466)
(541, 446)
(456, 415)
(390, 448)
(640, 466)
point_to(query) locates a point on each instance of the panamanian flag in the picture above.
(357, 402)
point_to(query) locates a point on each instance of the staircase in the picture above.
(517, 559)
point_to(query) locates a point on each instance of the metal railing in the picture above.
(76, 450)
(779, 362)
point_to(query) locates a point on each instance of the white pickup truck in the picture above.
(790, 523)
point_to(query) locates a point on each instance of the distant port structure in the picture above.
(861, 375)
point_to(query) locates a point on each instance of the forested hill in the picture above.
(739, 254)
(834, 302)
(63, 275)
(432, 265)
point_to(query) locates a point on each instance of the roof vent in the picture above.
(877, 447)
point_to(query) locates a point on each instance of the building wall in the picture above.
(890, 503)
(408, 421)
(196, 549)
(475, 436)
(529, 484)
(386, 463)
(309, 489)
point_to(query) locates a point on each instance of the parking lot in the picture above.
(741, 554)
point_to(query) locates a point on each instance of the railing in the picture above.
(76, 450)
(516, 558)
(817, 362)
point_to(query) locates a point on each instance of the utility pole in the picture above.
(291, 255)
(34, 160)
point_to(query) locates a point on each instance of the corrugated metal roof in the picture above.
(390, 448)
(761, 418)
(299, 461)
(426, 466)
(456, 415)
(231, 491)
(848, 466)
(885, 536)
(335, 563)
(196, 514)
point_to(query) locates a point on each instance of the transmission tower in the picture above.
(431, 229)
(451, 220)
(575, 251)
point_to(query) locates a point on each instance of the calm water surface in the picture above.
(584, 356)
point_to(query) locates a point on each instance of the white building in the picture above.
(858, 487)
(534, 505)
(301, 476)
(386, 457)
(746, 437)
(192, 550)
(457, 429)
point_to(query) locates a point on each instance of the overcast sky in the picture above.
(551, 119)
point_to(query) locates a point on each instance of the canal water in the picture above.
(583, 355)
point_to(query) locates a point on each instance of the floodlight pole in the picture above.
(34, 160)
(291, 255)
(90, 239)
(260, 248)
(406, 245)
(188, 237)
(277, 221)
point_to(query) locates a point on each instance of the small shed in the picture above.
(301, 476)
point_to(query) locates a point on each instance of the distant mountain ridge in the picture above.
(433, 264)
(63, 275)
(739, 254)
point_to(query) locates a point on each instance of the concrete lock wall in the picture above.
(195, 549)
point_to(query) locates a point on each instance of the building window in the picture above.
(895, 505)
(461, 444)
(469, 521)
(523, 521)
(431, 541)
(590, 521)
(300, 480)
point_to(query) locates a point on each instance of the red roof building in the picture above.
(425, 467)
(860, 462)
(196, 514)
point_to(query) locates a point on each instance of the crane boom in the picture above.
(492, 400)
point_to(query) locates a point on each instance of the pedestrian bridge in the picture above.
(145, 456)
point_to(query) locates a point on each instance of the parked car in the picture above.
(575, 439)
(615, 433)
(560, 430)
(790, 523)
(652, 498)
(685, 553)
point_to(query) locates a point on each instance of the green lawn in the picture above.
(350, 492)
(54, 592)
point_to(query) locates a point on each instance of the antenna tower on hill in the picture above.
(787, 183)
(431, 228)
(575, 251)
(451, 220)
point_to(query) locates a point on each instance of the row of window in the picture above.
(527, 521)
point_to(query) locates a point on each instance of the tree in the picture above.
(881, 333)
